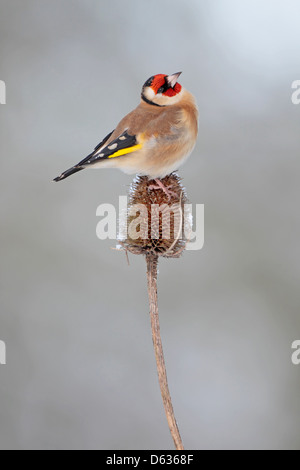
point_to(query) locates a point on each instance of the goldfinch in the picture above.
(155, 138)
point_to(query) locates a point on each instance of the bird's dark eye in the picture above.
(163, 88)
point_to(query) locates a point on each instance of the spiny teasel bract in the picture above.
(158, 220)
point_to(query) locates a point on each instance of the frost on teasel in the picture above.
(157, 222)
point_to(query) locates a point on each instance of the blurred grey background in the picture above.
(80, 370)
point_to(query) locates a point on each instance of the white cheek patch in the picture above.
(161, 99)
(149, 93)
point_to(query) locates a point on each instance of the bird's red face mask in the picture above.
(166, 84)
(161, 89)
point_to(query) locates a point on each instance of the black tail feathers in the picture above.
(69, 172)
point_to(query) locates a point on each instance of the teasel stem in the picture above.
(152, 263)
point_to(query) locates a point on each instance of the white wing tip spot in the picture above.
(122, 137)
(112, 146)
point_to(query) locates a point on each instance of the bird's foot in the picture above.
(166, 190)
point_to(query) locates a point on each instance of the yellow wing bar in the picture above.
(123, 151)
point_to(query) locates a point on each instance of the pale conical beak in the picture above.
(172, 79)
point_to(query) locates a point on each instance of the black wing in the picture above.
(122, 145)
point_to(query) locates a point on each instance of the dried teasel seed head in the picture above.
(155, 220)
